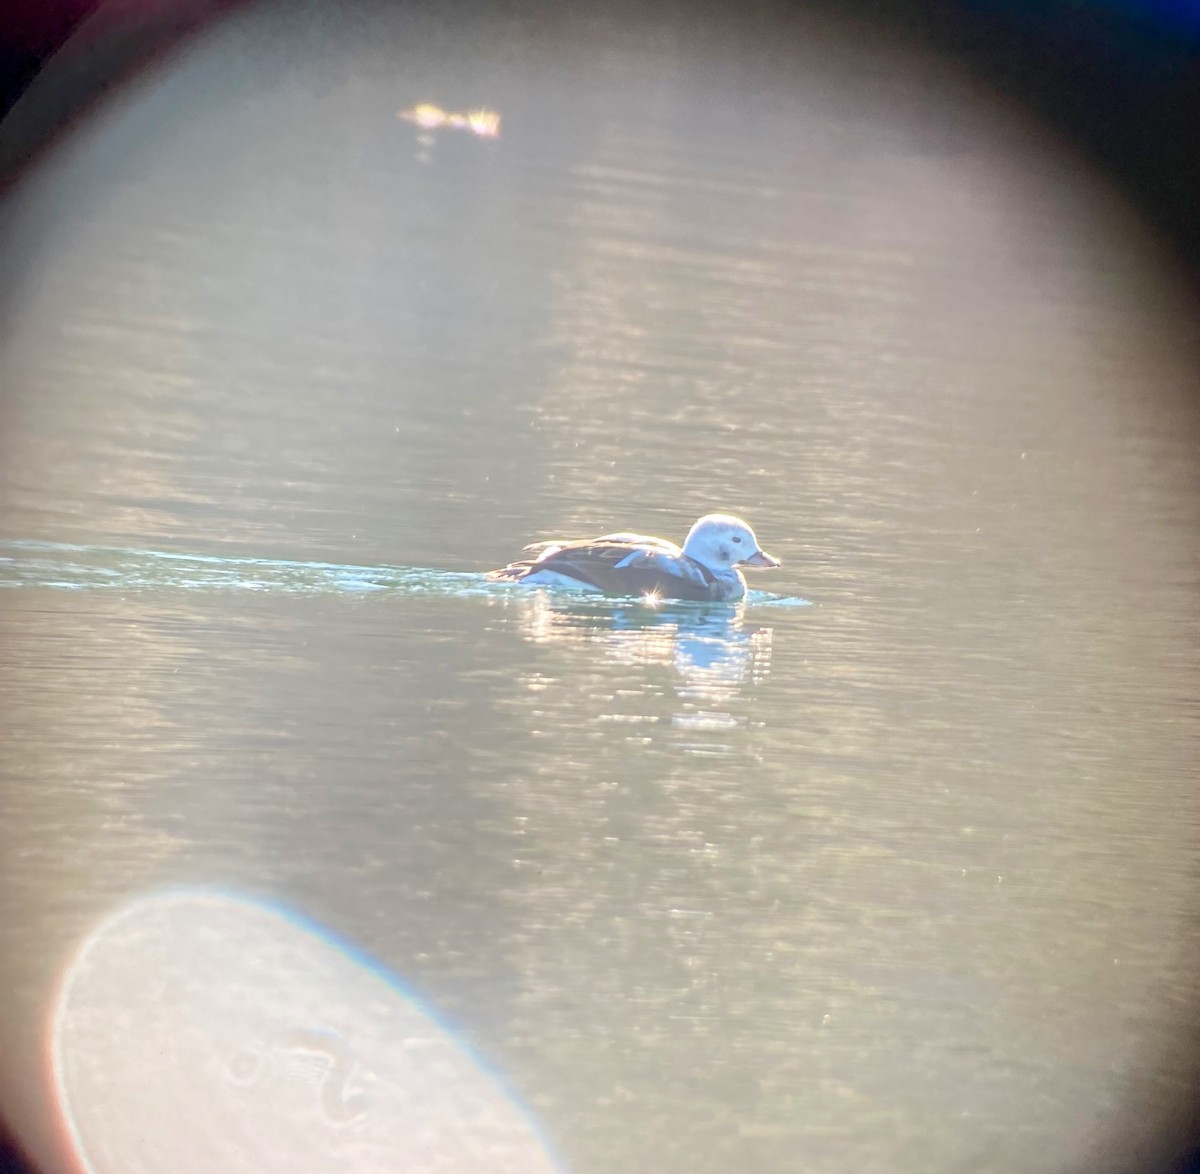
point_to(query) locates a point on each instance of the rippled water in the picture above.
(889, 868)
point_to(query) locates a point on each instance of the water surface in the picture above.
(897, 880)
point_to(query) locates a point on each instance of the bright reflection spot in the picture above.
(482, 122)
(195, 1032)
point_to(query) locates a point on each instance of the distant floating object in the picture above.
(481, 122)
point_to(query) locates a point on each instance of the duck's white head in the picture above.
(722, 542)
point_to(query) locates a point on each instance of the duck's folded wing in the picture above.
(577, 559)
(618, 568)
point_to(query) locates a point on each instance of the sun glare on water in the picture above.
(481, 122)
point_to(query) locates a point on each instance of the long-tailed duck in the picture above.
(706, 568)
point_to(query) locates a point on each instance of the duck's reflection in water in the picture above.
(713, 652)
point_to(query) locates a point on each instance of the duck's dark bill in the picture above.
(760, 558)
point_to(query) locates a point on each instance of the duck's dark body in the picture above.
(624, 568)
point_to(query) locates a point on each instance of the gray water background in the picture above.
(899, 881)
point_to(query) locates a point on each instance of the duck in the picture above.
(706, 568)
